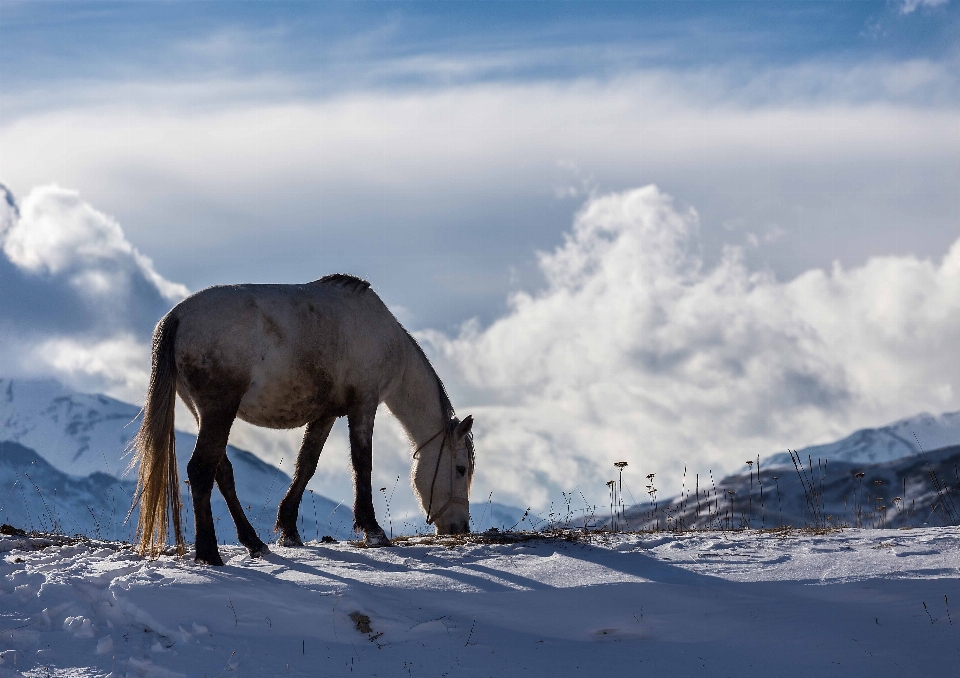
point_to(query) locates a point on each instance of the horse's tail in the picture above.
(154, 447)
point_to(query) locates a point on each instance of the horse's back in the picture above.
(294, 352)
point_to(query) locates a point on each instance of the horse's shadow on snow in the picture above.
(484, 580)
(475, 569)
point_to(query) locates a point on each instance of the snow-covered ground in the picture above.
(712, 603)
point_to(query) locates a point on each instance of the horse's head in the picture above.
(442, 474)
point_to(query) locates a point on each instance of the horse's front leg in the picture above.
(313, 440)
(361, 454)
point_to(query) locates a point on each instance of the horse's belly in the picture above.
(284, 403)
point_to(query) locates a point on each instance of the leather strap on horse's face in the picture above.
(431, 517)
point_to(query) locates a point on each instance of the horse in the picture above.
(285, 356)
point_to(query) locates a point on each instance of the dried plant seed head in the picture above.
(750, 463)
(620, 464)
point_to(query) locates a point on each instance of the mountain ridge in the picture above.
(901, 438)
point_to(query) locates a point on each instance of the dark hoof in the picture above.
(215, 560)
(259, 551)
(290, 541)
(375, 539)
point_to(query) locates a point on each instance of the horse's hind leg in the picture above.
(361, 454)
(311, 447)
(211, 448)
(245, 532)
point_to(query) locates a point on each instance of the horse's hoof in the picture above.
(290, 541)
(211, 560)
(376, 539)
(259, 551)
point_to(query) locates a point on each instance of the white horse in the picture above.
(284, 356)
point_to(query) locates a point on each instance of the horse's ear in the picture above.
(463, 428)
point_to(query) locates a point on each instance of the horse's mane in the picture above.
(350, 282)
(355, 284)
(445, 405)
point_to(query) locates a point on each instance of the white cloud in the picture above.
(119, 365)
(287, 187)
(910, 6)
(57, 234)
(636, 351)
(276, 149)
(78, 300)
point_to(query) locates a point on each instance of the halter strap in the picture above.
(429, 440)
(431, 516)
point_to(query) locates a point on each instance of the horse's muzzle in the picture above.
(455, 527)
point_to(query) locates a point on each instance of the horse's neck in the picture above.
(416, 402)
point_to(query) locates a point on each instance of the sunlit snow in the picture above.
(710, 603)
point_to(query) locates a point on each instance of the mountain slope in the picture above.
(82, 436)
(886, 443)
(37, 496)
(898, 493)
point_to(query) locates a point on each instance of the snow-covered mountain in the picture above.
(73, 444)
(887, 443)
(914, 491)
(36, 496)
(78, 433)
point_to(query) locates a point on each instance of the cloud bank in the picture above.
(437, 194)
(636, 351)
(77, 300)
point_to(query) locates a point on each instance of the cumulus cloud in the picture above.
(77, 300)
(636, 351)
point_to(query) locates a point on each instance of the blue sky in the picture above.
(464, 158)
(122, 40)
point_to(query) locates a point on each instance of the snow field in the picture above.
(709, 603)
